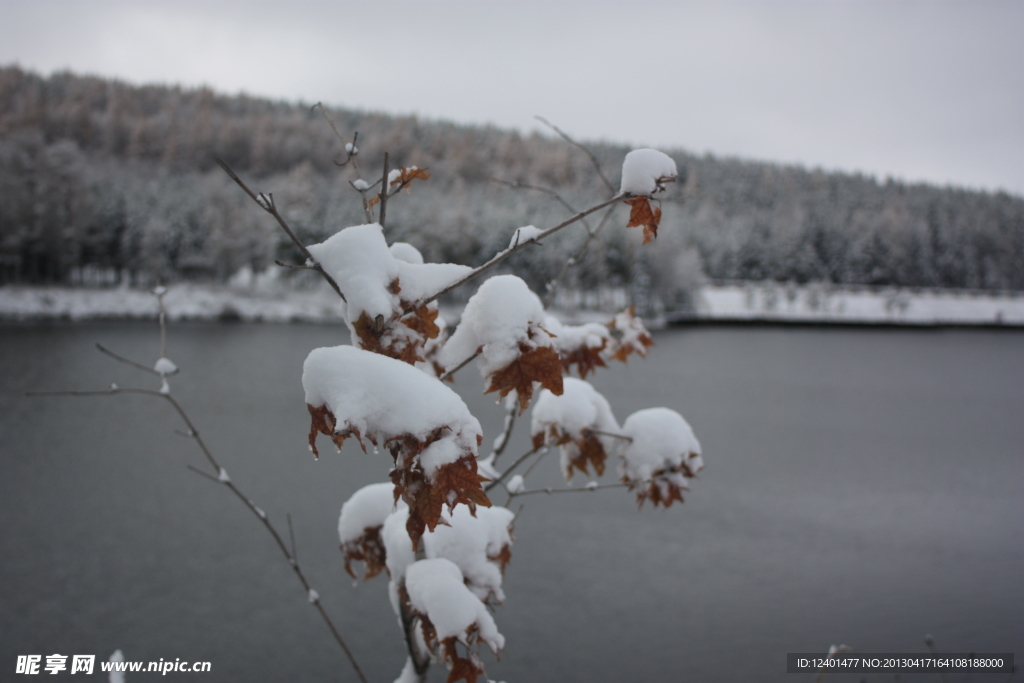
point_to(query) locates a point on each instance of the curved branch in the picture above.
(502, 255)
(552, 286)
(586, 150)
(266, 203)
(222, 478)
(585, 489)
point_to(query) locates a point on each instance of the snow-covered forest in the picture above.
(105, 183)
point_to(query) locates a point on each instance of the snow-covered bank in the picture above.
(822, 303)
(739, 302)
(183, 302)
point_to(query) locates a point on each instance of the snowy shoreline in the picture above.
(754, 302)
(825, 304)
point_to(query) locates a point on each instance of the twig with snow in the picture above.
(589, 487)
(126, 361)
(220, 478)
(511, 468)
(350, 147)
(516, 185)
(504, 254)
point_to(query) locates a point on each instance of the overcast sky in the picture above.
(918, 90)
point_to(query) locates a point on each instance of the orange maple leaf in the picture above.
(408, 175)
(589, 448)
(642, 214)
(324, 422)
(641, 341)
(586, 359)
(452, 483)
(536, 364)
(368, 548)
(459, 668)
(424, 321)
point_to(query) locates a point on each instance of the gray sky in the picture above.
(918, 90)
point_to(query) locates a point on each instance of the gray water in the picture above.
(862, 487)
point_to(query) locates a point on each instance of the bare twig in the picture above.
(266, 202)
(448, 373)
(296, 266)
(223, 479)
(160, 291)
(384, 192)
(593, 159)
(127, 361)
(291, 532)
(543, 452)
(362, 195)
(350, 153)
(502, 255)
(517, 463)
(510, 423)
(611, 434)
(584, 489)
(552, 286)
(516, 185)
(203, 474)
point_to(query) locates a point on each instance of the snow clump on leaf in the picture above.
(568, 421)
(662, 456)
(630, 336)
(359, 525)
(432, 436)
(380, 283)
(579, 345)
(503, 321)
(450, 613)
(644, 172)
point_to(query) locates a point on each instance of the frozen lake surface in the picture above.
(862, 487)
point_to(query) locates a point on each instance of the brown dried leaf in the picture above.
(659, 493)
(324, 422)
(643, 214)
(424, 321)
(408, 175)
(639, 344)
(453, 483)
(368, 548)
(591, 451)
(371, 334)
(537, 364)
(586, 359)
(503, 557)
(459, 668)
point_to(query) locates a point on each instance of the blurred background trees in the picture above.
(104, 183)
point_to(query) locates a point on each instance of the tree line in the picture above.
(106, 182)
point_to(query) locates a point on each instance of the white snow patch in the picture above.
(642, 169)
(503, 314)
(662, 442)
(365, 509)
(578, 409)
(359, 260)
(165, 366)
(383, 398)
(117, 676)
(436, 589)
(515, 484)
(527, 233)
